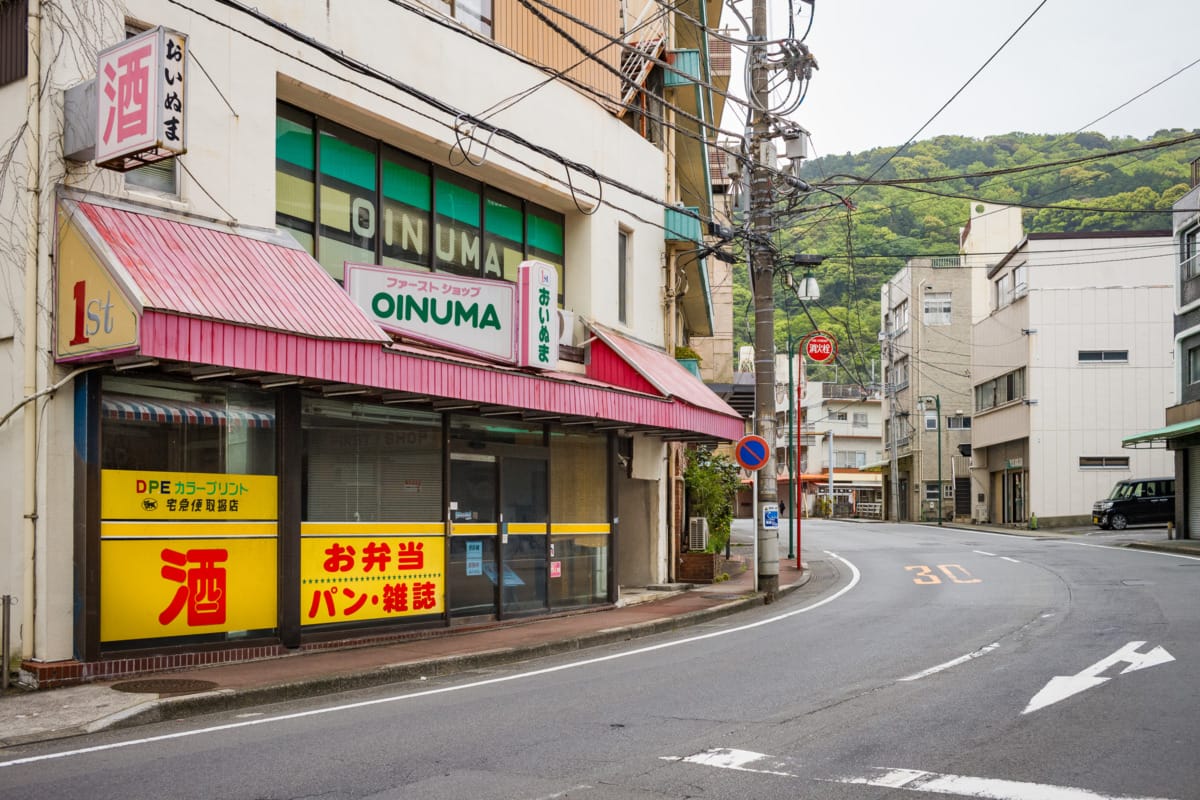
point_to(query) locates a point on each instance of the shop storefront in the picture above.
(259, 466)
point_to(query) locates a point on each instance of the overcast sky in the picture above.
(886, 67)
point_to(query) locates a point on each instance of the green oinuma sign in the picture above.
(469, 314)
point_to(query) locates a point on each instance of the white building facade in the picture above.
(186, 330)
(1075, 355)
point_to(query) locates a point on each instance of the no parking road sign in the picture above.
(752, 452)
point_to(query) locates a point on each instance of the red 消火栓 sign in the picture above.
(820, 347)
(140, 100)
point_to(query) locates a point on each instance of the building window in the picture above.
(1004, 290)
(370, 463)
(898, 319)
(998, 391)
(165, 427)
(860, 419)
(1193, 355)
(937, 308)
(473, 14)
(1189, 255)
(931, 420)
(1104, 462)
(958, 423)
(849, 459)
(932, 490)
(898, 374)
(1020, 281)
(347, 197)
(947, 491)
(837, 416)
(1103, 356)
(622, 276)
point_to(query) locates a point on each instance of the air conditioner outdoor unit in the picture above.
(697, 533)
(566, 328)
(981, 513)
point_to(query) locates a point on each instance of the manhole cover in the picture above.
(164, 686)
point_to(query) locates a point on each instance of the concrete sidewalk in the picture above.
(30, 716)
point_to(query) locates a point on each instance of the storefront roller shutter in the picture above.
(1193, 493)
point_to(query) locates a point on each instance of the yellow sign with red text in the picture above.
(351, 572)
(184, 586)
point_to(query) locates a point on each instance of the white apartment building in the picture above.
(842, 436)
(1075, 354)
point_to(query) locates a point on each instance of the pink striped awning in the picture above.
(233, 273)
(247, 301)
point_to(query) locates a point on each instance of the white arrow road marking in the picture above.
(914, 780)
(1061, 687)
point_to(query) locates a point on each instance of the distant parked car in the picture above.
(1137, 501)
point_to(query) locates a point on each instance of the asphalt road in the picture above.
(918, 662)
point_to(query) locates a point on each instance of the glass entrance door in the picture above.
(524, 533)
(499, 534)
(473, 526)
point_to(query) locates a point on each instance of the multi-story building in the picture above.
(366, 324)
(1074, 356)
(1181, 436)
(927, 308)
(842, 435)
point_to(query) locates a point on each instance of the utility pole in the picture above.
(889, 379)
(762, 278)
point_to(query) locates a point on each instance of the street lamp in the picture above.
(805, 291)
(937, 402)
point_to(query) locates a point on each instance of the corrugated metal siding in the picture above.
(14, 40)
(608, 366)
(400, 368)
(518, 29)
(663, 372)
(203, 272)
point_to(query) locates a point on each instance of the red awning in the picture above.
(232, 273)
(212, 294)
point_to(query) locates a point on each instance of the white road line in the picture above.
(952, 663)
(1011, 536)
(913, 780)
(1006, 558)
(968, 786)
(855, 577)
(985, 553)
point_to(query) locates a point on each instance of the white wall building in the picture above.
(1075, 355)
(321, 134)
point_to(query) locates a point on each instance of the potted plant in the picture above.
(689, 358)
(712, 481)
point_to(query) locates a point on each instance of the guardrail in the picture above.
(869, 510)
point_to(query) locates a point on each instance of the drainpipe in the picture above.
(33, 135)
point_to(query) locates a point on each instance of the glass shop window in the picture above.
(182, 427)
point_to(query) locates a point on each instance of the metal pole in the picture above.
(890, 386)
(762, 275)
(830, 483)
(6, 602)
(792, 465)
(800, 469)
(937, 401)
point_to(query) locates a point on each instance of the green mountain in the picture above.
(913, 201)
